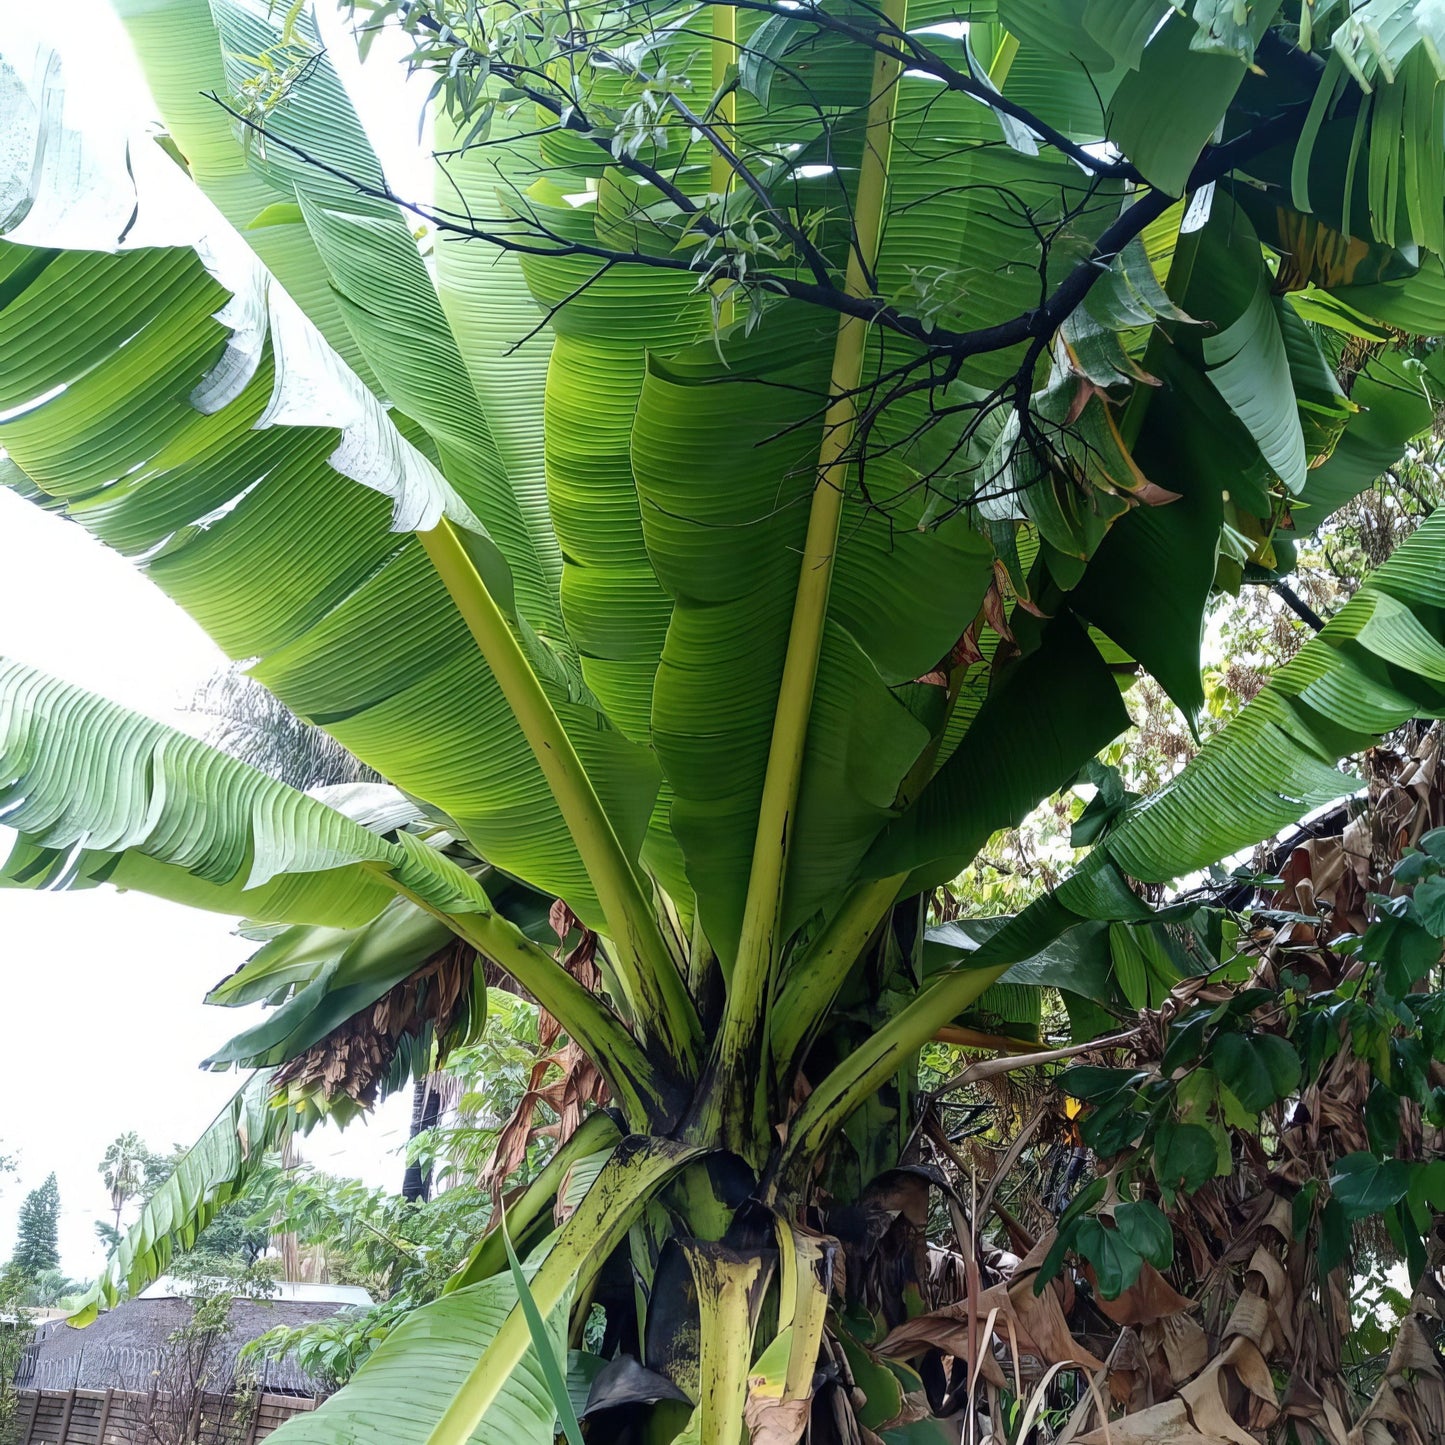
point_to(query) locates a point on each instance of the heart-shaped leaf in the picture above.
(1116, 1262)
(1363, 1184)
(1144, 1228)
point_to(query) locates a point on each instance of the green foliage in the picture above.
(493, 1075)
(14, 1336)
(1238, 1066)
(388, 1395)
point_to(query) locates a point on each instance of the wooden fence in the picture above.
(122, 1417)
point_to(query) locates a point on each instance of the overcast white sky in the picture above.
(100, 992)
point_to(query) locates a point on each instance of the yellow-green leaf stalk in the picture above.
(596, 1132)
(806, 1264)
(647, 973)
(752, 974)
(729, 1287)
(624, 1063)
(627, 1181)
(814, 977)
(864, 1071)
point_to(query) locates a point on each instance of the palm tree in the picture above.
(749, 506)
(252, 724)
(125, 1167)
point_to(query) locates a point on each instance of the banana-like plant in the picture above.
(806, 423)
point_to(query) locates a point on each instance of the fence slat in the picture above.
(33, 1401)
(65, 1418)
(104, 1417)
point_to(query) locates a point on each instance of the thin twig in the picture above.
(987, 1068)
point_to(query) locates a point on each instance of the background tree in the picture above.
(195, 1367)
(14, 1336)
(52, 1288)
(37, 1232)
(232, 1241)
(128, 1167)
(250, 723)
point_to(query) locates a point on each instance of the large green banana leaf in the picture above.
(400, 1392)
(355, 630)
(501, 332)
(183, 67)
(679, 580)
(465, 1366)
(347, 257)
(1379, 662)
(214, 1170)
(330, 642)
(361, 965)
(96, 792)
(723, 539)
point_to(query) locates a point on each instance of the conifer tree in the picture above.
(37, 1241)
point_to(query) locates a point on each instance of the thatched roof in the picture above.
(127, 1347)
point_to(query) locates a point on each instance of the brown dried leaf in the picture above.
(1185, 1346)
(995, 602)
(1150, 1298)
(1128, 1373)
(1151, 494)
(1085, 391)
(772, 1421)
(1031, 1324)
(1410, 1403)
(1208, 1398)
(1164, 1424)
(1250, 1318)
(352, 1059)
(1042, 1319)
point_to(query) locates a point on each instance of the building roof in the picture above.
(299, 1291)
(127, 1348)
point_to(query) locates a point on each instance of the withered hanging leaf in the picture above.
(1167, 1423)
(1209, 1397)
(1150, 1298)
(1028, 1323)
(354, 1061)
